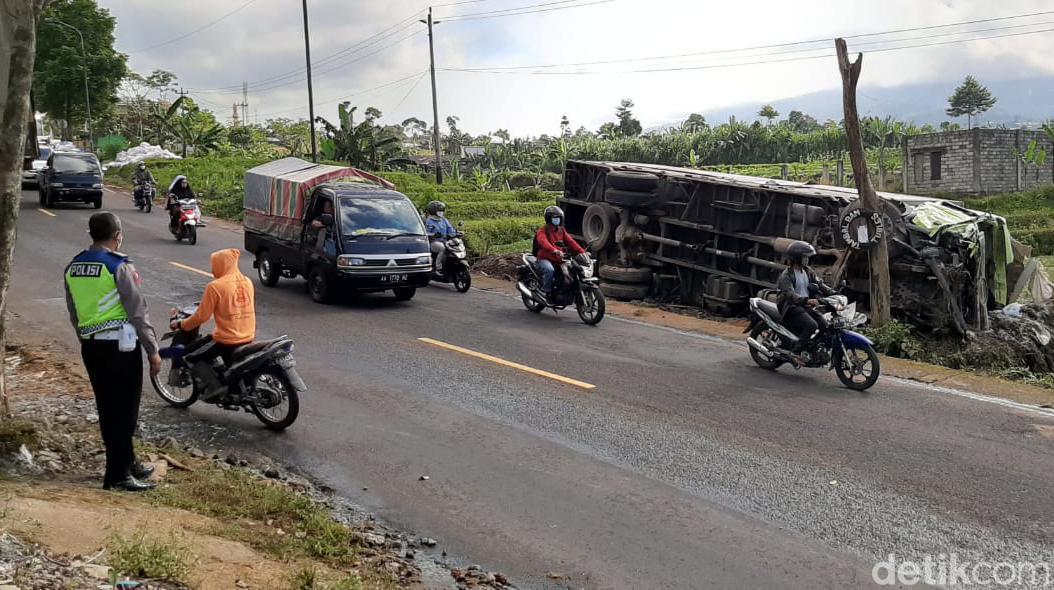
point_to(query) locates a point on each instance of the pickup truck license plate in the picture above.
(400, 278)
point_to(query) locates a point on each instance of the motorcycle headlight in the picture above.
(349, 261)
(423, 260)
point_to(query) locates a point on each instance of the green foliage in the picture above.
(58, 72)
(971, 98)
(896, 339)
(1028, 214)
(365, 145)
(484, 235)
(110, 145)
(310, 577)
(150, 557)
(769, 112)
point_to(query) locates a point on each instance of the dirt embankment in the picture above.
(218, 520)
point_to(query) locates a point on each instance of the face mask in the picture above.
(441, 214)
(556, 221)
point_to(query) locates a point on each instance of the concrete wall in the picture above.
(975, 162)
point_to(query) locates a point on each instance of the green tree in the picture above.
(971, 98)
(694, 123)
(627, 124)
(58, 81)
(363, 144)
(769, 113)
(802, 123)
(289, 134)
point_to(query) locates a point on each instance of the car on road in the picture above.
(304, 219)
(32, 166)
(70, 176)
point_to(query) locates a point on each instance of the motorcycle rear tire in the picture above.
(461, 278)
(532, 304)
(294, 404)
(769, 364)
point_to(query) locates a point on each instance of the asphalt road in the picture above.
(685, 467)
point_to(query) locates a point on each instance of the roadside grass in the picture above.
(142, 556)
(1029, 215)
(310, 577)
(270, 518)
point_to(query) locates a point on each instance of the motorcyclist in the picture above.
(142, 177)
(798, 287)
(439, 230)
(550, 242)
(178, 190)
(230, 301)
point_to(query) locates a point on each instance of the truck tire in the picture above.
(319, 286)
(626, 274)
(631, 199)
(624, 292)
(638, 182)
(404, 293)
(598, 225)
(268, 269)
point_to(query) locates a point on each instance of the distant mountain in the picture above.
(1021, 101)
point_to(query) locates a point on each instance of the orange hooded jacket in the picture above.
(230, 298)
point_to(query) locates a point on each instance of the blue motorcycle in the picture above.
(851, 354)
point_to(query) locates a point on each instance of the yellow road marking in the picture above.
(46, 212)
(191, 269)
(510, 364)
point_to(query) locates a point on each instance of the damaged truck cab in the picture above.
(714, 240)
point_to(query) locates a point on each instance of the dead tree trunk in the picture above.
(879, 252)
(18, 46)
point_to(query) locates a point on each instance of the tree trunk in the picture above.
(879, 253)
(18, 46)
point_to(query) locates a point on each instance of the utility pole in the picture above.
(878, 254)
(245, 103)
(435, 104)
(310, 92)
(183, 111)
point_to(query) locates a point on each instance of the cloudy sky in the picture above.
(375, 53)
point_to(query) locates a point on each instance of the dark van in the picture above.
(304, 219)
(70, 176)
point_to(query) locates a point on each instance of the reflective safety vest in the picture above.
(92, 282)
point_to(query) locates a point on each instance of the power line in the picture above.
(418, 75)
(351, 49)
(408, 92)
(750, 63)
(531, 9)
(775, 45)
(195, 31)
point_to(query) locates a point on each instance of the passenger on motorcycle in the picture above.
(230, 301)
(439, 230)
(551, 244)
(179, 189)
(798, 286)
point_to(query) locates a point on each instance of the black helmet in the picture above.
(435, 207)
(553, 211)
(103, 226)
(799, 252)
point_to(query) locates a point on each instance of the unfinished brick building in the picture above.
(975, 162)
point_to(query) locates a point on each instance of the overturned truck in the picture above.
(714, 240)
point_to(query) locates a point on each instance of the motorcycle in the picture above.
(189, 221)
(851, 355)
(143, 196)
(261, 377)
(574, 284)
(456, 268)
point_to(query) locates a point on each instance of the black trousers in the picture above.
(205, 349)
(803, 322)
(117, 380)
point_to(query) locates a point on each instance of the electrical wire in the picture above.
(347, 96)
(395, 109)
(194, 32)
(512, 70)
(530, 9)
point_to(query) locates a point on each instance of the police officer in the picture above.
(109, 313)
